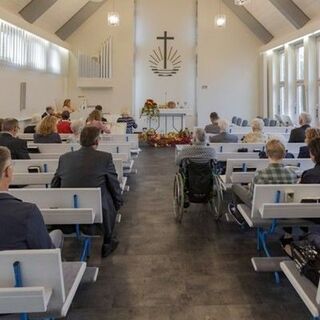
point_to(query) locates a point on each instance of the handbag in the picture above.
(306, 255)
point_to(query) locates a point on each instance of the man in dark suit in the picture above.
(49, 112)
(299, 134)
(89, 168)
(21, 223)
(223, 136)
(8, 138)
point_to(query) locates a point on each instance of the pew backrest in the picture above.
(249, 164)
(266, 195)
(39, 268)
(63, 198)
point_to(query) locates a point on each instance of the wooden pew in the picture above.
(274, 206)
(47, 285)
(248, 165)
(308, 292)
(48, 167)
(58, 206)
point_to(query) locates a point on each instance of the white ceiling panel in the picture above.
(310, 7)
(13, 5)
(59, 14)
(270, 17)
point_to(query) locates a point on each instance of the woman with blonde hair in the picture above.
(311, 133)
(95, 120)
(46, 131)
(256, 136)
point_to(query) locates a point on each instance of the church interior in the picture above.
(160, 159)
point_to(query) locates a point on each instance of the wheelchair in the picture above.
(197, 181)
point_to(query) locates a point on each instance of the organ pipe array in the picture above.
(97, 66)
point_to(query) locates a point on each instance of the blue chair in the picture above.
(234, 120)
(266, 122)
(239, 121)
(245, 123)
(273, 123)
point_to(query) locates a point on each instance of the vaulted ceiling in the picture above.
(265, 18)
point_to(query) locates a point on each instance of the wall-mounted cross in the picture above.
(165, 38)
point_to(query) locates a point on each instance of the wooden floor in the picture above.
(199, 270)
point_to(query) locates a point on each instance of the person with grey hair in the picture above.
(198, 149)
(31, 128)
(22, 225)
(223, 136)
(298, 135)
(76, 127)
(256, 136)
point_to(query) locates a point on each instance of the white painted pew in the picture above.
(267, 130)
(67, 147)
(264, 198)
(251, 147)
(308, 292)
(48, 284)
(29, 136)
(258, 164)
(58, 207)
(133, 139)
(21, 176)
(285, 136)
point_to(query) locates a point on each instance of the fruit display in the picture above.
(170, 139)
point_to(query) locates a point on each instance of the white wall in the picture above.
(88, 39)
(178, 18)
(42, 90)
(228, 64)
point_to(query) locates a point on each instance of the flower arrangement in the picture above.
(170, 139)
(150, 109)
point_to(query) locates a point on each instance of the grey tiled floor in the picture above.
(198, 270)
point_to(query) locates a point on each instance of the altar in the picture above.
(169, 120)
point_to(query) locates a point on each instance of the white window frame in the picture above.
(300, 83)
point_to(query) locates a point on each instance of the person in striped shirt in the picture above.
(131, 124)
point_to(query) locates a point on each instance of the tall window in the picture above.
(300, 88)
(22, 49)
(282, 69)
(318, 77)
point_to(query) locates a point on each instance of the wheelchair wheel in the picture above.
(178, 197)
(215, 204)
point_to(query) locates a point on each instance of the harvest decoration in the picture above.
(170, 139)
(150, 109)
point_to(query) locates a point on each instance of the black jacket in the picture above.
(17, 147)
(30, 129)
(50, 138)
(89, 168)
(21, 225)
(304, 153)
(311, 175)
(298, 135)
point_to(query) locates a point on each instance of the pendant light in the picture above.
(113, 17)
(220, 20)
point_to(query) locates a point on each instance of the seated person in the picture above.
(275, 173)
(31, 128)
(213, 127)
(223, 136)
(299, 134)
(21, 223)
(76, 127)
(131, 124)
(63, 125)
(99, 108)
(95, 120)
(8, 138)
(46, 131)
(256, 136)
(288, 155)
(49, 112)
(90, 168)
(313, 175)
(311, 133)
(198, 149)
